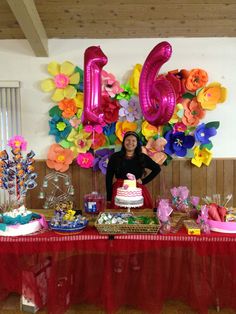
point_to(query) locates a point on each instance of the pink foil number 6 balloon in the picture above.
(156, 95)
(94, 60)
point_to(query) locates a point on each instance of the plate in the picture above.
(65, 230)
(221, 226)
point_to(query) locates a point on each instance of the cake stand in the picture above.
(128, 204)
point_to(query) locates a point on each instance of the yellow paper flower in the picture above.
(79, 100)
(81, 141)
(201, 156)
(134, 79)
(178, 114)
(211, 95)
(63, 76)
(124, 126)
(149, 130)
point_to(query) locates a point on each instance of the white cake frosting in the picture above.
(20, 229)
(129, 195)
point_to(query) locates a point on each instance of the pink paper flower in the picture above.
(110, 86)
(96, 128)
(17, 141)
(61, 80)
(155, 150)
(179, 127)
(75, 122)
(85, 160)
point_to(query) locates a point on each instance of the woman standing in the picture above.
(130, 159)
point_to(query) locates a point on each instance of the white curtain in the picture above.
(10, 117)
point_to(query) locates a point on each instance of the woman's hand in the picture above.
(139, 181)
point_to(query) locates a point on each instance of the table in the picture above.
(142, 271)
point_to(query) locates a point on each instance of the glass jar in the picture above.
(94, 203)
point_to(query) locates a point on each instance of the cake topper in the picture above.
(131, 176)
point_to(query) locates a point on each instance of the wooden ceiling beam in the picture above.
(29, 20)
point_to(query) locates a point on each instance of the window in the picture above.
(10, 116)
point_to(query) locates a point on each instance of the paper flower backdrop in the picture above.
(185, 135)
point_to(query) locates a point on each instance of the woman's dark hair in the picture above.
(137, 151)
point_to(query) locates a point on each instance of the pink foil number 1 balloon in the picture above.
(156, 95)
(94, 60)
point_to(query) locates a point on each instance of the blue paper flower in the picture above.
(109, 129)
(203, 133)
(59, 127)
(178, 143)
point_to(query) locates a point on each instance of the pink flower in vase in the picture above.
(17, 141)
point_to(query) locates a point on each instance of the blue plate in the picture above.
(69, 230)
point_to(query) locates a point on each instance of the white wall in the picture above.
(215, 55)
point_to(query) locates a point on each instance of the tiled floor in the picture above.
(12, 306)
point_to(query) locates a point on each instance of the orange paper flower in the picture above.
(193, 112)
(68, 107)
(196, 79)
(99, 140)
(59, 158)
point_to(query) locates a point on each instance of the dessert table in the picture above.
(138, 270)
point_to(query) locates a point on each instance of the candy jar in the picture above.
(94, 203)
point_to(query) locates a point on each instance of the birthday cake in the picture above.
(129, 195)
(21, 221)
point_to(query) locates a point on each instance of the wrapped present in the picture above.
(182, 201)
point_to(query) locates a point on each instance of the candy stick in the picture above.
(228, 198)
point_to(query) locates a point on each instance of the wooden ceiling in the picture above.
(38, 20)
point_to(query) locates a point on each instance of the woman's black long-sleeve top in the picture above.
(120, 166)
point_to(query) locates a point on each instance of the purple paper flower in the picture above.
(203, 133)
(178, 143)
(101, 159)
(130, 109)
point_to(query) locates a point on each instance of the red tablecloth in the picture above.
(142, 271)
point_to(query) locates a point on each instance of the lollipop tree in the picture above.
(16, 171)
